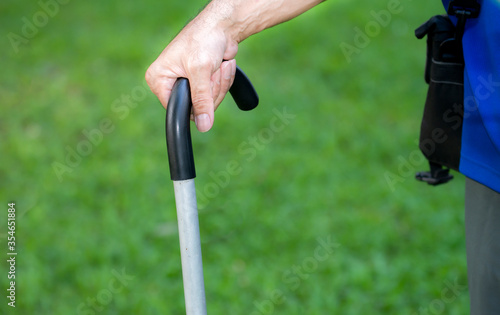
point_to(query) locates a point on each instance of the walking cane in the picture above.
(182, 173)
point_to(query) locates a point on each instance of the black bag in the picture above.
(441, 128)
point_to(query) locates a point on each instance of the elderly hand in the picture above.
(197, 53)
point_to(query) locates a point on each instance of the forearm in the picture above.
(241, 18)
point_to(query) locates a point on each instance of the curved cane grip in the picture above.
(179, 147)
(243, 91)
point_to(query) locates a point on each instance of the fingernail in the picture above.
(202, 122)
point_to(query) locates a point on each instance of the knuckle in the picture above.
(151, 78)
(201, 61)
(201, 103)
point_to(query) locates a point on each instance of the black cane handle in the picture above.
(179, 147)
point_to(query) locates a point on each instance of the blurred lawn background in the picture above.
(322, 175)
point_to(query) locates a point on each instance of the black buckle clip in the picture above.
(468, 9)
(463, 10)
(437, 175)
(451, 49)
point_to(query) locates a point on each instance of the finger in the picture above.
(228, 69)
(216, 84)
(227, 77)
(151, 79)
(163, 90)
(160, 84)
(201, 94)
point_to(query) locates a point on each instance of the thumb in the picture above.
(201, 95)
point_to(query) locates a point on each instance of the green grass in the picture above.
(322, 175)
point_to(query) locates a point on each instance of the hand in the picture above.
(197, 54)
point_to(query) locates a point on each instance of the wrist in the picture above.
(234, 18)
(218, 17)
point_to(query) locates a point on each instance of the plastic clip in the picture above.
(436, 176)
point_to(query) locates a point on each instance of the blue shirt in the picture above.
(480, 155)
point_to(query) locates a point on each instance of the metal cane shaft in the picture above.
(189, 236)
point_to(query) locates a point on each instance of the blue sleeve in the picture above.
(481, 43)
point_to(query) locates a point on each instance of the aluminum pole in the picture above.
(189, 237)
